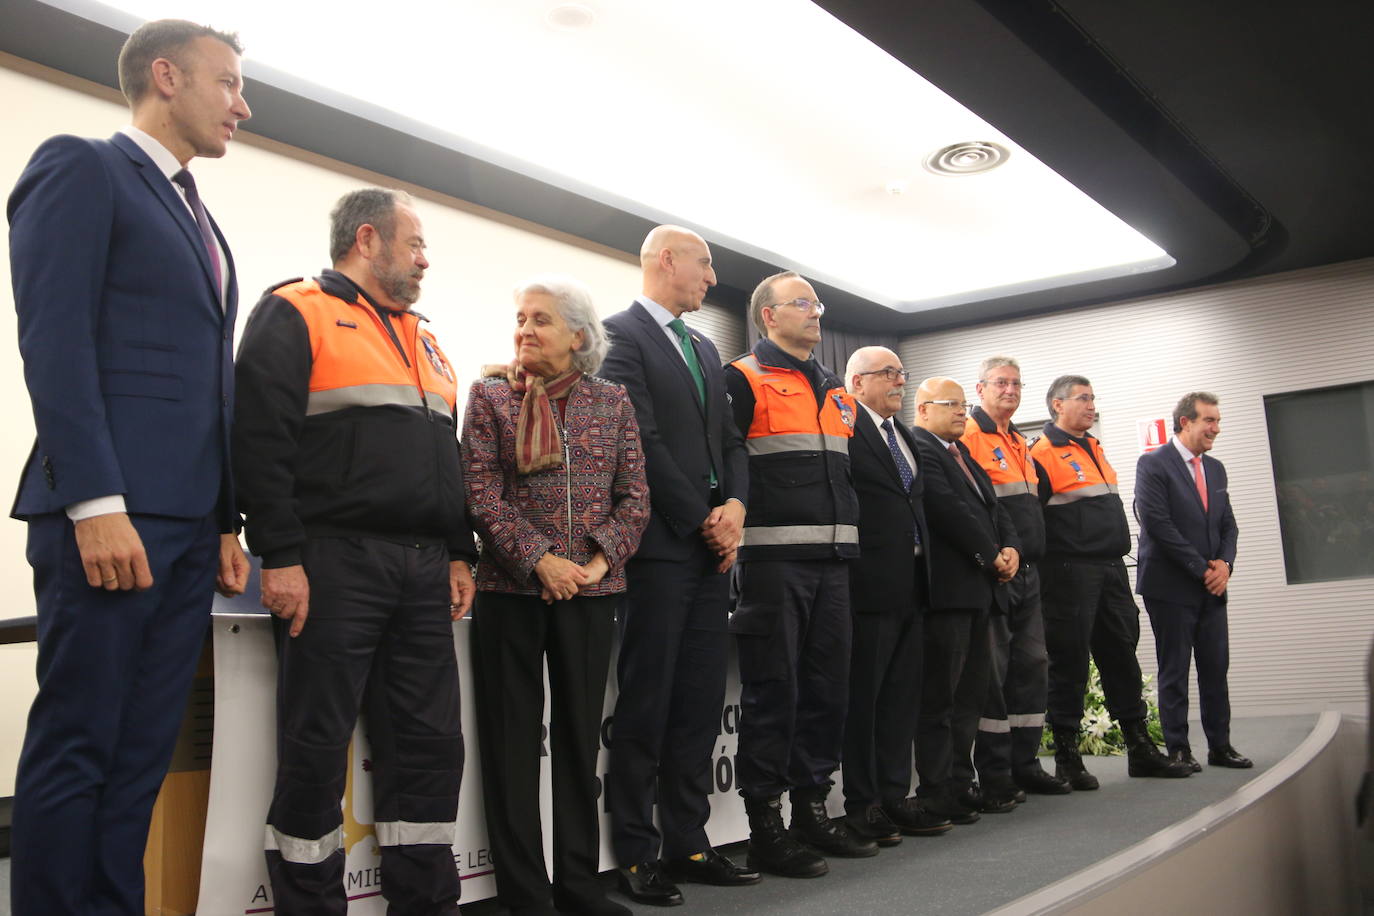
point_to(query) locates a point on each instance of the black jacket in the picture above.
(682, 440)
(389, 470)
(883, 578)
(966, 532)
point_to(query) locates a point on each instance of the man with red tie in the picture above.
(1187, 550)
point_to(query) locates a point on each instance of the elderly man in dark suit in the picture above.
(889, 588)
(1187, 551)
(973, 552)
(126, 298)
(674, 647)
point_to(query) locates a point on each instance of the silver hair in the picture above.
(1061, 387)
(574, 303)
(996, 362)
(859, 361)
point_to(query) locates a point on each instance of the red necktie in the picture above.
(1196, 461)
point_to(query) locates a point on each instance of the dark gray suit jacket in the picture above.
(683, 440)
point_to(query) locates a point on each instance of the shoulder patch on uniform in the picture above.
(344, 323)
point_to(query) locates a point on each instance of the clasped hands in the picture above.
(722, 531)
(1006, 564)
(1216, 577)
(561, 579)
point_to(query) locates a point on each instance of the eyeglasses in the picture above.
(1012, 383)
(951, 403)
(804, 306)
(1085, 398)
(888, 373)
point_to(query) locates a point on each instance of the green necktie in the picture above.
(685, 342)
(694, 365)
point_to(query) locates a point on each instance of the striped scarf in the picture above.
(537, 445)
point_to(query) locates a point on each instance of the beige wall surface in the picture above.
(1293, 647)
(272, 202)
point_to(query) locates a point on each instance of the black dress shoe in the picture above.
(1227, 756)
(875, 825)
(913, 820)
(971, 797)
(1037, 782)
(999, 797)
(711, 868)
(646, 883)
(1185, 755)
(946, 805)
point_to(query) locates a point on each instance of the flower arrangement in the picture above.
(1100, 734)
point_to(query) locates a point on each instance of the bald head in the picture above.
(945, 419)
(677, 268)
(874, 375)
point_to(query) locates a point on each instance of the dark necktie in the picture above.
(689, 352)
(958, 457)
(903, 467)
(684, 340)
(207, 235)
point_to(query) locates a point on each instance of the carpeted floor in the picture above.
(976, 868)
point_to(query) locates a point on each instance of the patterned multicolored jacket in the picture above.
(598, 499)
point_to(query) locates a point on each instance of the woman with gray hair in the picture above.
(556, 492)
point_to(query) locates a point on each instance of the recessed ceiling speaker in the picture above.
(970, 158)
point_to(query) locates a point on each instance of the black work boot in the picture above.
(1068, 765)
(1144, 759)
(811, 824)
(771, 848)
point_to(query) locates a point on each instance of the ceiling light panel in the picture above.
(769, 124)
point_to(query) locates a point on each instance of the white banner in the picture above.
(233, 872)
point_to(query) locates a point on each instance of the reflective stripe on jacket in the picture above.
(801, 499)
(1084, 516)
(1007, 460)
(345, 424)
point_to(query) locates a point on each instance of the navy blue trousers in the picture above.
(114, 670)
(671, 670)
(1184, 631)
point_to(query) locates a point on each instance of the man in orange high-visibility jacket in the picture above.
(1008, 745)
(792, 625)
(350, 483)
(1085, 594)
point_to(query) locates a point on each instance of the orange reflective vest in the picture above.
(1084, 516)
(358, 361)
(801, 500)
(345, 424)
(1006, 458)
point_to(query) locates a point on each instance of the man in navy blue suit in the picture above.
(1187, 551)
(673, 641)
(126, 297)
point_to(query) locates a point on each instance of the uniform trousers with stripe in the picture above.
(793, 632)
(378, 638)
(114, 670)
(512, 636)
(1089, 611)
(1014, 713)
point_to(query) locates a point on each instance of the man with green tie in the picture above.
(673, 642)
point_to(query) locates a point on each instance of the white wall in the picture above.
(272, 201)
(1299, 647)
